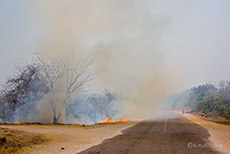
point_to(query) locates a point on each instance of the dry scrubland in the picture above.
(57, 138)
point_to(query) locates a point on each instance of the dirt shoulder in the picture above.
(71, 138)
(220, 134)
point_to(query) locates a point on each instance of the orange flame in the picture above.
(107, 120)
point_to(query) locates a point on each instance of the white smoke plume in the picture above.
(125, 40)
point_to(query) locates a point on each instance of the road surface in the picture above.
(178, 135)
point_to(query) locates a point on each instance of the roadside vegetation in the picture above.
(209, 100)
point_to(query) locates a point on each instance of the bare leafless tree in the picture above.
(15, 92)
(67, 74)
(109, 94)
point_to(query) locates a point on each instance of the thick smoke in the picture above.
(91, 109)
(125, 40)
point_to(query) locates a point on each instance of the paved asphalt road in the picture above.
(178, 135)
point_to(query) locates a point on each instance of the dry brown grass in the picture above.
(14, 141)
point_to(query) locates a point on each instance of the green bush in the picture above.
(221, 110)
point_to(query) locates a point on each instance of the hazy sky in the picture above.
(192, 35)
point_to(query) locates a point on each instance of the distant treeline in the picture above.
(210, 100)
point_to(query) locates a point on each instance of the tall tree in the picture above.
(65, 79)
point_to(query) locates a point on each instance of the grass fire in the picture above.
(114, 76)
(107, 120)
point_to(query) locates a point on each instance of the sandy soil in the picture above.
(71, 138)
(220, 134)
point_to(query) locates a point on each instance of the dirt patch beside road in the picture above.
(220, 134)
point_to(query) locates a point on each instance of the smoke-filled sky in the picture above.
(145, 43)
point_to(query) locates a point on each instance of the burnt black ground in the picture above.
(178, 135)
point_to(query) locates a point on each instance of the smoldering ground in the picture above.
(124, 40)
